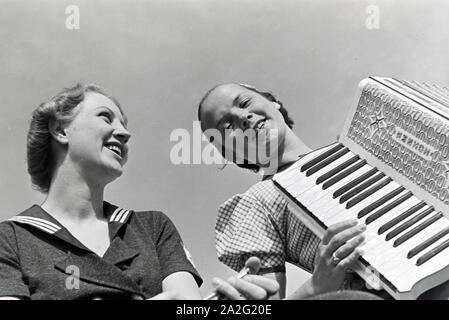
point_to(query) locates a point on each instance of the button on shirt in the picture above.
(40, 259)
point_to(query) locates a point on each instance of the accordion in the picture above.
(390, 170)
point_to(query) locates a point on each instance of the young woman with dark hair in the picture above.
(258, 222)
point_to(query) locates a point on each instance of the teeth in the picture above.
(115, 149)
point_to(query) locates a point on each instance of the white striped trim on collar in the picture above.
(41, 224)
(119, 215)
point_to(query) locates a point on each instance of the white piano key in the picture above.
(306, 183)
(373, 229)
(410, 222)
(388, 258)
(320, 198)
(343, 205)
(289, 176)
(372, 238)
(393, 213)
(284, 176)
(423, 235)
(351, 213)
(444, 224)
(400, 252)
(397, 266)
(407, 278)
(293, 173)
(305, 196)
(390, 261)
(431, 240)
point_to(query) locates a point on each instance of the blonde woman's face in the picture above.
(97, 137)
(242, 114)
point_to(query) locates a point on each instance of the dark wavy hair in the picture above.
(267, 95)
(40, 157)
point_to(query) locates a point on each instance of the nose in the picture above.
(245, 120)
(122, 134)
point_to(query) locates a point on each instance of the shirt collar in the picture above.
(38, 218)
(115, 214)
(117, 218)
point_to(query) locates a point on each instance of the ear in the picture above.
(57, 130)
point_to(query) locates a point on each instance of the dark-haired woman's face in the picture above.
(97, 137)
(236, 112)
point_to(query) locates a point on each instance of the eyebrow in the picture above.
(123, 121)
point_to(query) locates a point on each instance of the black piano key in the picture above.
(321, 157)
(432, 253)
(379, 213)
(427, 243)
(344, 174)
(393, 233)
(401, 217)
(417, 229)
(357, 189)
(354, 183)
(326, 162)
(367, 193)
(337, 169)
(376, 204)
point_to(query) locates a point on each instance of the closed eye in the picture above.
(245, 103)
(106, 116)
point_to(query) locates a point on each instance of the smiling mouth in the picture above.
(114, 148)
(259, 125)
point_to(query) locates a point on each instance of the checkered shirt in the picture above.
(259, 223)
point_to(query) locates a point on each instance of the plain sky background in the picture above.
(159, 57)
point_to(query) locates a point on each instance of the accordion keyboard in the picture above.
(407, 239)
(389, 170)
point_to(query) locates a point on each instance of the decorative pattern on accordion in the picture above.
(412, 140)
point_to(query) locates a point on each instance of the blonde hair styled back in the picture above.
(40, 158)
